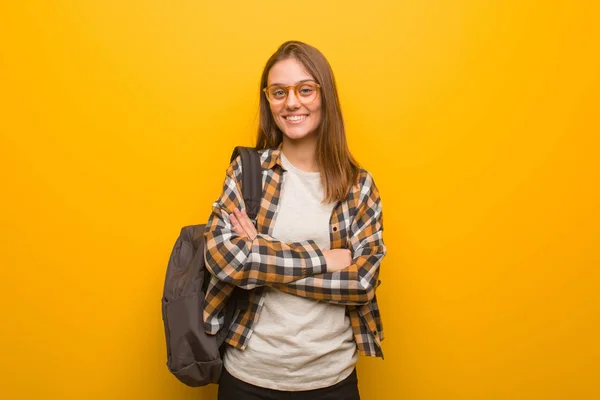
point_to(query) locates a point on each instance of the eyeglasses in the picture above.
(306, 92)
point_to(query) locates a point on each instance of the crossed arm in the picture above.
(236, 254)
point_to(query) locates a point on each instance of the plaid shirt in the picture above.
(297, 268)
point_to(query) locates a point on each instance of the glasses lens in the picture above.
(307, 92)
(277, 94)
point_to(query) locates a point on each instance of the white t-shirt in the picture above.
(297, 343)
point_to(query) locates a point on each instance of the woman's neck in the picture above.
(301, 153)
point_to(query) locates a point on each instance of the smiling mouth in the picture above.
(295, 119)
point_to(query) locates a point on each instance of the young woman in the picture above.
(311, 259)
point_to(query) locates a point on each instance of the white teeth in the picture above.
(295, 117)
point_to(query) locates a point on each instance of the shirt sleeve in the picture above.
(356, 284)
(246, 263)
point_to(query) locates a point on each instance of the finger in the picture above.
(237, 228)
(234, 221)
(247, 224)
(243, 219)
(239, 217)
(244, 225)
(251, 228)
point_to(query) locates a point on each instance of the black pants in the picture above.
(231, 388)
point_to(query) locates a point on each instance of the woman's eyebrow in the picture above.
(302, 81)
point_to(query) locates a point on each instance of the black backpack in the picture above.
(193, 356)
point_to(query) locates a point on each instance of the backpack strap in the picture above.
(252, 193)
(251, 178)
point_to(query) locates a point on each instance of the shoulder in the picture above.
(365, 182)
(365, 192)
(235, 167)
(268, 156)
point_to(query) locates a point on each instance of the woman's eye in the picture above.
(278, 93)
(306, 90)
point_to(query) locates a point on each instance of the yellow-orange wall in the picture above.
(479, 120)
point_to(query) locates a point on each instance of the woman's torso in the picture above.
(297, 343)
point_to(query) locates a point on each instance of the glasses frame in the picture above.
(287, 92)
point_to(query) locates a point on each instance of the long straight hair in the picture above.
(339, 170)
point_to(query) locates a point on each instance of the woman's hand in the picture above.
(242, 225)
(337, 259)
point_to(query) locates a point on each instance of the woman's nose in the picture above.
(292, 100)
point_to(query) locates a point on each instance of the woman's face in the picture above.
(295, 119)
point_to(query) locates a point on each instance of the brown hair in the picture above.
(338, 168)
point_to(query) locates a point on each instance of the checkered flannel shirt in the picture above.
(297, 268)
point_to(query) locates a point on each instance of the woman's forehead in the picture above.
(288, 72)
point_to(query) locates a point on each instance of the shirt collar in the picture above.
(275, 157)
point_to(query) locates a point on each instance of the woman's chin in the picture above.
(297, 134)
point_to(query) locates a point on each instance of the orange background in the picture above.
(478, 119)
